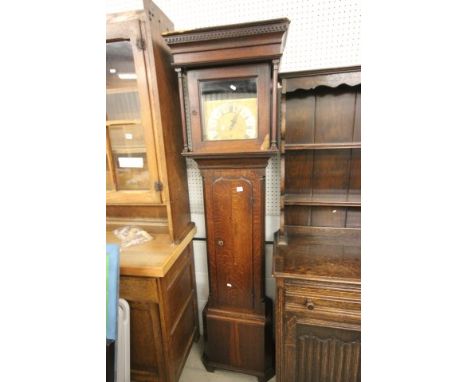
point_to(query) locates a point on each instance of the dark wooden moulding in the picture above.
(317, 251)
(237, 320)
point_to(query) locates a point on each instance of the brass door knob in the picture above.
(309, 304)
(220, 243)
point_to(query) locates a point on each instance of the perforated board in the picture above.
(322, 34)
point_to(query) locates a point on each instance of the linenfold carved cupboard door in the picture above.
(131, 162)
(320, 354)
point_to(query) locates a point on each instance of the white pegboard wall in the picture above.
(195, 186)
(272, 187)
(322, 34)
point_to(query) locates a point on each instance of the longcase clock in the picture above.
(230, 75)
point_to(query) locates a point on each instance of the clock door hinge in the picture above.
(158, 186)
(141, 44)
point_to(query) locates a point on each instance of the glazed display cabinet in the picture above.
(146, 186)
(146, 177)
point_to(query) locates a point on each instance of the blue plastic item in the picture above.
(112, 290)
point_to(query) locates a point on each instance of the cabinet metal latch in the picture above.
(158, 186)
(140, 43)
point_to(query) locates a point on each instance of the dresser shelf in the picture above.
(331, 200)
(120, 122)
(321, 146)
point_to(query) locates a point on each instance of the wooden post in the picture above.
(182, 107)
(274, 108)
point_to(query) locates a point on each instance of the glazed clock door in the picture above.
(232, 218)
(130, 147)
(230, 108)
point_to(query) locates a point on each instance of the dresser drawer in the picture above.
(138, 289)
(327, 300)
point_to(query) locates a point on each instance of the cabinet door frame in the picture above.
(291, 321)
(132, 31)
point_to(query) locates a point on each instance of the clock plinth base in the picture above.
(241, 342)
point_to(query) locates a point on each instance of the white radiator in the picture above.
(123, 342)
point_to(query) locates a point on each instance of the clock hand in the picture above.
(233, 121)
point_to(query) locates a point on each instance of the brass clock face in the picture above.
(229, 109)
(233, 119)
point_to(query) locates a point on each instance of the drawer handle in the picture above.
(220, 243)
(309, 304)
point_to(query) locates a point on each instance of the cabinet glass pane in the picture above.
(129, 154)
(126, 133)
(122, 101)
(229, 109)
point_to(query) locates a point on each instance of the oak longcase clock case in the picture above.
(231, 77)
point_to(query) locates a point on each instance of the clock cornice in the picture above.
(236, 43)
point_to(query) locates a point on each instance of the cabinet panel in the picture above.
(324, 173)
(334, 116)
(338, 217)
(145, 342)
(232, 214)
(320, 354)
(327, 355)
(300, 118)
(323, 115)
(183, 334)
(298, 171)
(178, 292)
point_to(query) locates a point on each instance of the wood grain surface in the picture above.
(153, 258)
(317, 251)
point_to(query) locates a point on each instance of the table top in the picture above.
(153, 258)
